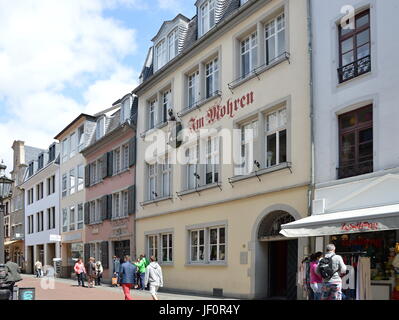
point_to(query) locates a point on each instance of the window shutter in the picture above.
(132, 200)
(109, 206)
(110, 163)
(104, 254)
(87, 213)
(104, 161)
(87, 176)
(86, 252)
(104, 208)
(132, 152)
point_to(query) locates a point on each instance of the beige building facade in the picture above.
(240, 68)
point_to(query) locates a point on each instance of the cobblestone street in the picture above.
(65, 289)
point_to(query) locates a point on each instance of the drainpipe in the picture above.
(312, 120)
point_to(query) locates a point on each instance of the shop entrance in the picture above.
(276, 260)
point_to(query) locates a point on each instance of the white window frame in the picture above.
(152, 245)
(81, 137)
(72, 181)
(80, 177)
(218, 244)
(281, 121)
(197, 246)
(64, 185)
(65, 220)
(125, 110)
(125, 157)
(152, 170)
(116, 160)
(72, 218)
(168, 248)
(92, 209)
(80, 217)
(247, 143)
(166, 104)
(212, 72)
(207, 19)
(65, 151)
(125, 203)
(274, 29)
(116, 206)
(193, 89)
(192, 167)
(249, 46)
(73, 143)
(98, 209)
(160, 54)
(166, 175)
(100, 128)
(212, 145)
(152, 114)
(173, 44)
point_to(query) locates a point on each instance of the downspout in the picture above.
(312, 120)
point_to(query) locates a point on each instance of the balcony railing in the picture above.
(355, 169)
(354, 69)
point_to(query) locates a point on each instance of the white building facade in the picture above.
(356, 203)
(42, 211)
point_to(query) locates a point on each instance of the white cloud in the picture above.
(47, 49)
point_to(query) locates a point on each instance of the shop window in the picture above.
(356, 142)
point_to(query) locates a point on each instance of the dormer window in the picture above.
(207, 16)
(51, 153)
(125, 110)
(30, 169)
(173, 44)
(100, 129)
(160, 55)
(41, 161)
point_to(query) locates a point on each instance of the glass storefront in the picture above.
(378, 246)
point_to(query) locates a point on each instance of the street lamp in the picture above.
(5, 191)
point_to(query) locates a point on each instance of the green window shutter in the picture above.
(132, 200)
(132, 151)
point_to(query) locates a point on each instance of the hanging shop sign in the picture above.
(219, 111)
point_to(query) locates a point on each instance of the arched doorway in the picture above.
(276, 258)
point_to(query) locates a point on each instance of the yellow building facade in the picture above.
(214, 225)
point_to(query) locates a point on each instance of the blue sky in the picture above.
(61, 58)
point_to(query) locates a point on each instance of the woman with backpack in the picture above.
(316, 281)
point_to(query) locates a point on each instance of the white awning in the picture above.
(344, 222)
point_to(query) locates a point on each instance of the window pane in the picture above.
(363, 38)
(201, 253)
(213, 236)
(347, 45)
(213, 253)
(193, 253)
(202, 237)
(194, 238)
(281, 43)
(366, 135)
(271, 150)
(363, 51)
(222, 235)
(362, 21)
(347, 58)
(365, 115)
(283, 146)
(222, 252)
(170, 254)
(348, 120)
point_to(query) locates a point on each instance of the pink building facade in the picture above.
(110, 194)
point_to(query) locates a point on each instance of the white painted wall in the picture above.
(378, 87)
(50, 201)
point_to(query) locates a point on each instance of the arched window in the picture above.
(271, 225)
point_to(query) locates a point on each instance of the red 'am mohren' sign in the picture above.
(218, 111)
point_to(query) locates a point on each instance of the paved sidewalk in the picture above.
(65, 289)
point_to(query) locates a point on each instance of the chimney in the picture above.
(19, 153)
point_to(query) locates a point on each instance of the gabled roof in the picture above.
(82, 115)
(179, 16)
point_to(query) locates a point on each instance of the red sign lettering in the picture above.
(360, 226)
(218, 112)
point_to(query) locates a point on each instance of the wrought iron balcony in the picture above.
(354, 69)
(355, 169)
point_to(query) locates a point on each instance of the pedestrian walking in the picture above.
(153, 277)
(116, 265)
(99, 273)
(38, 267)
(91, 272)
(316, 281)
(141, 265)
(127, 277)
(331, 268)
(80, 271)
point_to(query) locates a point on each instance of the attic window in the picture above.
(207, 17)
(100, 129)
(160, 55)
(125, 110)
(173, 44)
